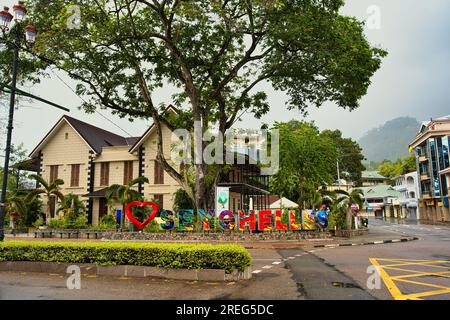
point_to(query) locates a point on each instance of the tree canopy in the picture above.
(391, 169)
(215, 54)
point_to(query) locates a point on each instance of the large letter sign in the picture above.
(247, 221)
(140, 225)
(267, 220)
(206, 217)
(278, 224)
(168, 217)
(226, 220)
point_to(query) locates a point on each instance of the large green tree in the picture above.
(391, 169)
(350, 156)
(214, 55)
(307, 161)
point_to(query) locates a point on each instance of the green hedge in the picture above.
(162, 255)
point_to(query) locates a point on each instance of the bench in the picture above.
(43, 233)
(69, 233)
(95, 233)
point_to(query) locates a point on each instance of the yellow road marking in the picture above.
(417, 296)
(395, 292)
(426, 264)
(425, 284)
(390, 281)
(422, 274)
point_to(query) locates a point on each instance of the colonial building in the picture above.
(408, 187)
(89, 159)
(431, 146)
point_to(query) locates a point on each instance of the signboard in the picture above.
(226, 220)
(222, 199)
(308, 220)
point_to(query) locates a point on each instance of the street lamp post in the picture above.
(30, 36)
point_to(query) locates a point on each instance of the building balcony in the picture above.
(424, 176)
(423, 158)
(426, 195)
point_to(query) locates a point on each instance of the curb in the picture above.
(215, 275)
(366, 243)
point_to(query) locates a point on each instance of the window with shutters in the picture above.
(53, 173)
(127, 172)
(159, 173)
(104, 174)
(75, 176)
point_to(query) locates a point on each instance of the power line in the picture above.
(81, 98)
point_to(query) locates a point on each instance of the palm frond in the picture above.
(56, 184)
(59, 195)
(138, 180)
(41, 180)
(33, 194)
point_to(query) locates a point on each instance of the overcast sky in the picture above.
(413, 79)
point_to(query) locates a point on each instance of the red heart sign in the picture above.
(136, 222)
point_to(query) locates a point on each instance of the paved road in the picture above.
(412, 270)
(408, 270)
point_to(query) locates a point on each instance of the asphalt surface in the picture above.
(407, 270)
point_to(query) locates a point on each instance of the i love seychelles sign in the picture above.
(262, 220)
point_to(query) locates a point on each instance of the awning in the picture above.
(283, 202)
(27, 165)
(96, 194)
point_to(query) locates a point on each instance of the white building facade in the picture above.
(408, 186)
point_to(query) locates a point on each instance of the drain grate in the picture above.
(345, 285)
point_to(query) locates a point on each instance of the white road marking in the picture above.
(257, 271)
(267, 267)
(378, 242)
(276, 262)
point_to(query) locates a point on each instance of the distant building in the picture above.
(381, 201)
(373, 178)
(408, 186)
(339, 185)
(431, 146)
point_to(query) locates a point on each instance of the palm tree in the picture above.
(17, 208)
(49, 190)
(346, 200)
(72, 206)
(125, 193)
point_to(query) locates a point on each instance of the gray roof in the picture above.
(372, 175)
(379, 191)
(98, 138)
(95, 137)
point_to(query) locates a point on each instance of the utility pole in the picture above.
(338, 174)
(30, 32)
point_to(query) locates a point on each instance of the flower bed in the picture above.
(217, 236)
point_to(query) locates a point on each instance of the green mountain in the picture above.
(389, 141)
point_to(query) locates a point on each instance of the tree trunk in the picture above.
(47, 211)
(349, 217)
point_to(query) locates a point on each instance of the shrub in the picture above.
(106, 222)
(153, 227)
(80, 222)
(163, 255)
